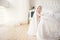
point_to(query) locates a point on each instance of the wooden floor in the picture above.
(16, 32)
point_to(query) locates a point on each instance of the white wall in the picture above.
(18, 13)
(32, 2)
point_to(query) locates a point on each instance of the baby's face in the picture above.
(39, 9)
